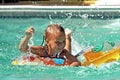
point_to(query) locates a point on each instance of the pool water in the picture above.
(85, 32)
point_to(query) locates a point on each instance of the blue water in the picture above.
(86, 32)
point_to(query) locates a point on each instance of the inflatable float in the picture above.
(94, 56)
(100, 57)
(26, 59)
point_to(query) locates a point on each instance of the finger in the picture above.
(67, 31)
(31, 29)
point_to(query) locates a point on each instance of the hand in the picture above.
(68, 32)
(29, 31)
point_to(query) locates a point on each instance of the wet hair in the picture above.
(52, 29)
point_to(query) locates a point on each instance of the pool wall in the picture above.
(43, 11)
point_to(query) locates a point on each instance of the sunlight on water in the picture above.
(114, 23)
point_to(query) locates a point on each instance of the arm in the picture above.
(68, 40)
(73, 60)
(23, 46)
(70, 57)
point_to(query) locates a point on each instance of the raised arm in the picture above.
(68, 40)
(23, 46)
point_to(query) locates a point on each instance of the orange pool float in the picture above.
(32, 60)
(100, 57)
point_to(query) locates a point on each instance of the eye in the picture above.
(58, 42)
(64, 41)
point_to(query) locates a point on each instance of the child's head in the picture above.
(53, 29)
(55, 38)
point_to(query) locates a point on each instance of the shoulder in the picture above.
(65, 53)
(37, 47)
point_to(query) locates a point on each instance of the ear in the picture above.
(46, 41)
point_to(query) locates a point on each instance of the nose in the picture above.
(61, 45)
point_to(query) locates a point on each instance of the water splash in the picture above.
(67, 20)
(30, 44)
(112, 23)
(75, 47)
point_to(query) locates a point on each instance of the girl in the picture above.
(57, 44)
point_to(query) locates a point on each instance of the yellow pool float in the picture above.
(100, 57)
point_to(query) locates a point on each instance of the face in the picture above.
(56, 43)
